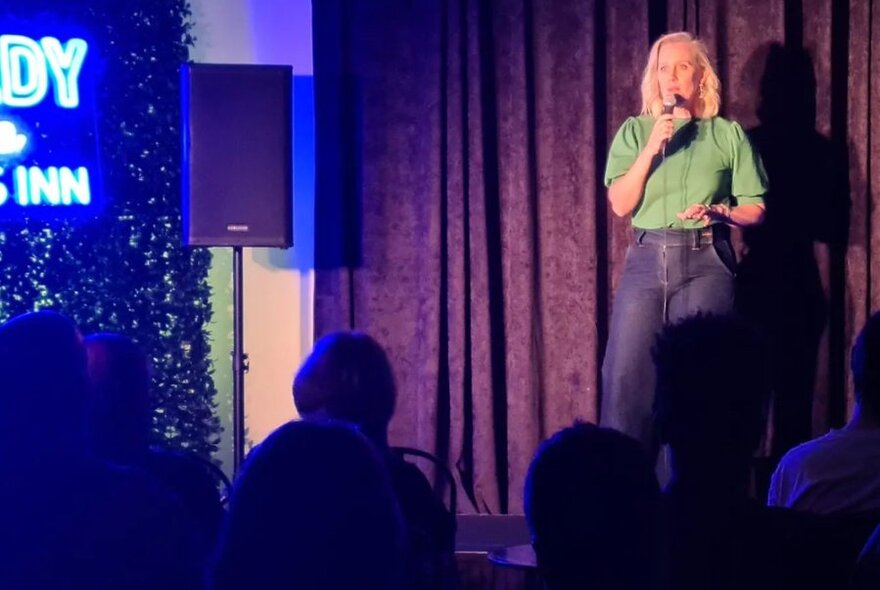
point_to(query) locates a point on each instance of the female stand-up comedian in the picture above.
(686, 175)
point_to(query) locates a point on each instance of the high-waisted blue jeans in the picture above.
(668, 276)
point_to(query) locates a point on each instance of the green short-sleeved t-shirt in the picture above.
(708, 161)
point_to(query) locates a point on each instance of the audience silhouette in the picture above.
(69, 520)
(713, 385)
(711, 393)
(120, 425)
(591, 498)
(312, 509)
(348, 377)
(325, 504)
(839, 473)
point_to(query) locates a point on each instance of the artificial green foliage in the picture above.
(126, 271)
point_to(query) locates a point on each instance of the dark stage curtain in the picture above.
(462, 221)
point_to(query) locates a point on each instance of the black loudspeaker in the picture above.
(237, 158)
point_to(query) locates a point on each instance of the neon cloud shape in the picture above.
(11, 141)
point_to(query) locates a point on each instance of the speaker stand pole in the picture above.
(239, 358)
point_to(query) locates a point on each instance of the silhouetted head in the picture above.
(590, 500)
(347, 377)
(45, 385)
(119, 412)
(865, 363)
(312, 509)
(713, 386)
(788, 89)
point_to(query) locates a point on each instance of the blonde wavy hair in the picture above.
(708, 101)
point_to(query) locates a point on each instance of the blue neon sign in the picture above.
(27, 67)
(49, 153)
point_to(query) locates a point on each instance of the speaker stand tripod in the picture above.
(240, 364)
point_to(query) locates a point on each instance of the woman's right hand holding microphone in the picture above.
(663, 129)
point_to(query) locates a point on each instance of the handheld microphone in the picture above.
(669, 102)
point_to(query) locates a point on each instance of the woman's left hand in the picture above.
(707, 213)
